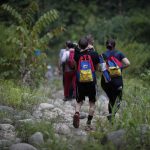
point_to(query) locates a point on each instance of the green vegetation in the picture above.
(28, 39)
(46, 128)
(21, 97)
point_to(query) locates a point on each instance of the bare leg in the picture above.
(78, 106)
(92, 108)
(76, 117)
(91, 112)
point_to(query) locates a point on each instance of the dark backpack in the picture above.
(85, 70)
(71, 61)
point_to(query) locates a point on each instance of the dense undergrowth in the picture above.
(132, 115)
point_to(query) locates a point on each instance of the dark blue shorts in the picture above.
(86, 89)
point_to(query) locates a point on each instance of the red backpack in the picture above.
(71, 61)
(85, 70)
(114, 66)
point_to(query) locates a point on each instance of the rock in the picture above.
(7, 132)
(18, 140)
(68, 108)
(44, 106)
(48, 115)
(5, 143)
(37, 114)
(83, 115)
(62, 128)
(36, 139)
(6, 121)
(115, 137)
(103, 98)
(58, 102)
(58, 111)
(52, 114)
(144, 130)
(22, 146)
(80, 132)
(6, 127)
(102, 105)
(7, 109)
(68, 119)
(85, 108)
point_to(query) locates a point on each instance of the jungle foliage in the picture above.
(29, 25)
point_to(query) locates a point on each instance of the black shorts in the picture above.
(113, 88)
(86, 89)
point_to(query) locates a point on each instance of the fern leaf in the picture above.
(13, 12)
(30, 11)
(44, 21)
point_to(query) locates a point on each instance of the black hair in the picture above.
(90, 39)
(69, 44)
(83, 43)
(110, 43)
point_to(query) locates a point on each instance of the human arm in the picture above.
(124, 60)
(125, 63)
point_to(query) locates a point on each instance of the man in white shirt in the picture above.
(69, 73)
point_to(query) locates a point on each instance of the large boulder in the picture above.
(117, 138)
(22, 146)
(7, 132)
(62, 128)
(36, 139)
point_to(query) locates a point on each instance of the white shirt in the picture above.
(65, 56)
(62, 51)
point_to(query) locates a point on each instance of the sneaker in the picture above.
(88, 122)
(76, 120)
(88, 127)
(66, 99)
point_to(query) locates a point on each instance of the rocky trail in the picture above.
(55, 110)
(60, 114)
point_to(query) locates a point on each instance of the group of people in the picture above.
(79, 63)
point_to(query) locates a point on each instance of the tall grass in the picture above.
(19, 96)
(134, 116)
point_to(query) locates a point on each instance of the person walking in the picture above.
(87, 63)
(116, 62)
(69, 72)
(48, 74)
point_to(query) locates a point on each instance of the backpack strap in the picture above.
(114, 59)
(91, 62)
(112, 56)
(86, 57)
